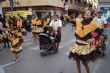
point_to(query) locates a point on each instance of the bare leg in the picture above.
(17, 58)
(57, 45)
(86, 67)
(78, 66)
(34, 37)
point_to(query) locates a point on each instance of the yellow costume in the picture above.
(82, 49)
(86, 29)
(19, 23)
(38, 22)
(45, 23)
(19, 34)
(10, 36)
(15, 46)
(33, 26)
(35, 23)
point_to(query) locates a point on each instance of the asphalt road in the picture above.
(32, 62)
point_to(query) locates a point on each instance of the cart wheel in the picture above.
(55, 49)
(43, 53)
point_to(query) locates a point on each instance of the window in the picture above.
(85, 4)
(71, 1)
(90, 5)
(66, 0)
(75, 1)
(79, 2)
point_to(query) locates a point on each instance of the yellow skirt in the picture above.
(34, 30)
(17, 50)
(82, 49)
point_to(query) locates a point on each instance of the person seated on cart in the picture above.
(101, 22)
(55, 28)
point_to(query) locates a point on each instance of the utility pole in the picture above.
(11, 4)
(66, 6)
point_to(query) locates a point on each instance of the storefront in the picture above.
(40, 11)
(1, 6)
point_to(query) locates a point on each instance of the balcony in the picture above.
(2, 0)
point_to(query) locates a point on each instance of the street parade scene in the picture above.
(54, 36)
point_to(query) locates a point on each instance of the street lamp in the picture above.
(11, 4)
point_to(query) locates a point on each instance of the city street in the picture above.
(32, 62)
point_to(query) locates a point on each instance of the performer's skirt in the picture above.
(17, 49)
(83, 52)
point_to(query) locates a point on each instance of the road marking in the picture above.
(67, 53)
(3, 66)
(9, 64)
(2, 69)
(35, 48)
(63, 45)
(67, 43)
(97, 66)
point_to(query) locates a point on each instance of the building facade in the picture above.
(38, 7)
(104, 3)
(104, 6)
(1, 6)
(76, 6)
(41, 7)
